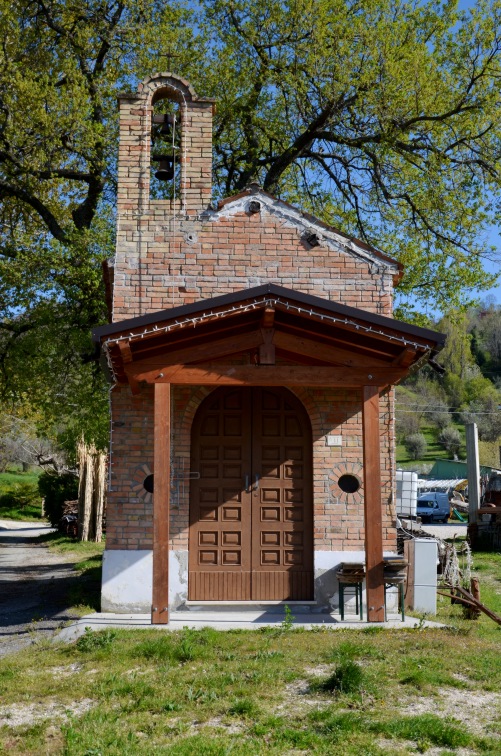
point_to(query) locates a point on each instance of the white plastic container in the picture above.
(407, 493)
(422, 574)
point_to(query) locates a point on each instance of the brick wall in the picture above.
(338, 517)
(172, 254)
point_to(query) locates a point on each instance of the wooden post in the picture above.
(161, 506)
(372, 505)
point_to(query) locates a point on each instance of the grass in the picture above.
(17, 482)
(10, 477)
(434, 450)
(375, 693)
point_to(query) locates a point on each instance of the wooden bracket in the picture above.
(267, 349)
(405, 358)
(126, 355)
(125, 351)
(268, 318)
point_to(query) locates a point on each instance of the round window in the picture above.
(148, 483)
(349, 483)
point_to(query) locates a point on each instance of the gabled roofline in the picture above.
(106, 332)
(255, 191)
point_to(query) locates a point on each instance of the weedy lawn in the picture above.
(370, 692)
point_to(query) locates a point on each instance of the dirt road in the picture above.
(34, 585)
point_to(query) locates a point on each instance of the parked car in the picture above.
(433, 507)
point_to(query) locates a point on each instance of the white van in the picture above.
(433, 506)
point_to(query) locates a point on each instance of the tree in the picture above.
(450, 438)
(62, 64)
(416, 445)
(485, 411)
(380, 117)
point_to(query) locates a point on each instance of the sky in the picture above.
(493, 235)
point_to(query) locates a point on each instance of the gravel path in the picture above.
(34, 585)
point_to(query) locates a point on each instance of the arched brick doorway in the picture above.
(251, 513)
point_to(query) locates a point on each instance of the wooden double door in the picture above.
(251, 518)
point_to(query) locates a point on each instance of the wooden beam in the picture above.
(372, 505)
(149, 368)
(186, 337)
(271, 375)
(320, 351)
(268, 317)
(373, 333)
(125, 351)
(340, 339)
(405, 358)
(161, 505)
(126, 356)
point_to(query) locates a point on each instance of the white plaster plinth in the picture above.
(127, 580)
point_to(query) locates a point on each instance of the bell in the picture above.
(165, 170)
(166, 128)
(166, 122)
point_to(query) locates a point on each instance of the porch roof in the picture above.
(300, 329)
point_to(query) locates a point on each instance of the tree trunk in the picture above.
(99, 486)
(86, 524)
(91, 492)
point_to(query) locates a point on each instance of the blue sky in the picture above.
(493, 234)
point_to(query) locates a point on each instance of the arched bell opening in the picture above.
(166, 158)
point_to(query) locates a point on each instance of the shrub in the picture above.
(416, 445)
(450, 439)
(92, 641)
(20, 496)
(56, 489)
(348, 677)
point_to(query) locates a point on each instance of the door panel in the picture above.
(220, 503)
(251, 521)
(282, 548)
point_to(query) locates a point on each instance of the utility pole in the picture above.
(473, 463)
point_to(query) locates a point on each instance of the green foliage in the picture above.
(56, 489)
(21, 501)
(450, 438)
(21, 495)
(288, 621)
(348, 677)
(349, 114)
(381, 117)
(415, 445)
(244, 707)
(92, 641)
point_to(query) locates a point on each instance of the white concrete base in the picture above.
(127, 584)
(127, 581)
(227, 621)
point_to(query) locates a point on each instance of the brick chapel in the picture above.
(252, 353)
